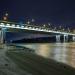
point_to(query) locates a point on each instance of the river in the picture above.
(61, 52)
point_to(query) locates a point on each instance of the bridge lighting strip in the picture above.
(30, 28)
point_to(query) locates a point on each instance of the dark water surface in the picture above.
(61, 52)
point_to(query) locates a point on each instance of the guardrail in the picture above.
(30, 27)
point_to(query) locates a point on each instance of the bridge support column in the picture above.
(57, 38)
(65, 38)
(73, 38)
(2, 35)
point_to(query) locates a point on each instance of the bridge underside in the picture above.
(26, 35)
(17, 35)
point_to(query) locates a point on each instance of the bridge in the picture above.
(4, 25)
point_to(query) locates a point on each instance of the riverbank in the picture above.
(7, 66)
(38, 65)
(16, 60)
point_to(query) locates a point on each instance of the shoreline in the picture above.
(38, 65)
(24, 61)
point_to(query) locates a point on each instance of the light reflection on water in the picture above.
(62, 52)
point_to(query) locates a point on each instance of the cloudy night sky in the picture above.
(43, 11)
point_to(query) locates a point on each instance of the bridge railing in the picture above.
(32, 27)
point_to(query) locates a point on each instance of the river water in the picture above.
(61, 52)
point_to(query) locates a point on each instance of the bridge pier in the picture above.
(73, 38)
(62, 38)
(65, 39)
(57, 38)
(2, 35)
(69, 38)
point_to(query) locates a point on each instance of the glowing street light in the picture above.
(32, 20)
(44, 25)
(28, 22)
(6, 14)
(5, 17)
(49, 24)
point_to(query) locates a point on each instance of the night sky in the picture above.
(43, 11)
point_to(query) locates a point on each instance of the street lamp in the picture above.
(5, 17)
(49, 24)
(44, 25)
(28, 22)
